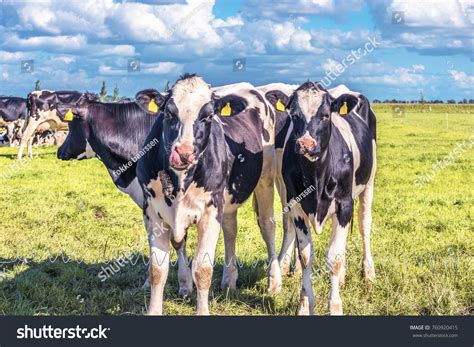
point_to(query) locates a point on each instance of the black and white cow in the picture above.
(39, 102)
(329, 160)
(115, 133)
(278, 96)
(204, 168)
(13, 112)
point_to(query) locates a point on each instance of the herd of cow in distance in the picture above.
(195, 153)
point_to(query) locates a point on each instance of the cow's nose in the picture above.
(186, 152)
(307, 143)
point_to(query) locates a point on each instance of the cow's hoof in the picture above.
(369, 273)
(184, 292)
(306, 307)
(229, 278)
(274, 277)
(335, 307)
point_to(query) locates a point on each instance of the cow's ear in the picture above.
(278, 99)
(344, 104)
(150, 100)
(229, 105)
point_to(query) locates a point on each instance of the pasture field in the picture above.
(61, 222)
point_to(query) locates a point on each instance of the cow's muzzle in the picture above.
(181, 157)
(307, 146)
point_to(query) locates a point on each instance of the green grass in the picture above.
(422, 239)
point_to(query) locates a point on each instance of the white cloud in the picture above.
(162, 68)
(11, 56)
(431, 27)
(63, 43)
(398, 77)
(462, 79)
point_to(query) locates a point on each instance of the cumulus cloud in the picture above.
(462, 79)
(430, 27)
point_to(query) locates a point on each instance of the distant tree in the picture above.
(37, 85)
(422, 98)
(103, 92)
(471, 101)
(376, 101)
(451, 101)
(116, 93)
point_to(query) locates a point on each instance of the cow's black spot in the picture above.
(300, 224)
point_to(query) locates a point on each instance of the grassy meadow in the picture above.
(60, 222)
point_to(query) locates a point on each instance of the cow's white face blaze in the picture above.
(188, 114)
(310, 110)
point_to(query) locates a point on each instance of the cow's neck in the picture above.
(110, 147)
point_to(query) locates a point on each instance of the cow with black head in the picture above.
(329, 160)
(13, 112)
(41, 110)
(216, 150)
(115, 133)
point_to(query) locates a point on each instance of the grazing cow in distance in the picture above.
(329, 159)
(13, 113)
(216, 149)
(40, 111)
(115, 132)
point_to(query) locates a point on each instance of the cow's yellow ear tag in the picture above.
(152, 106)
(280, 107)
(226, 110)
(343, 110)
(68, 116)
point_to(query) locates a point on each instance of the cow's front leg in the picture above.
(229, 227)
(185, 278)
(203, 262)
(159, 240)
(263, 206)
(336, 254)
(306, 254)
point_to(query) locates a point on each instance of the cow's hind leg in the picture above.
(159, 240)
(336, 254)
(263, 206)
(365, 221)
(185, 277)
(229, 227)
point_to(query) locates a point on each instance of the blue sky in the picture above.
(78, 44)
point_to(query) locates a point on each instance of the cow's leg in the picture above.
(263, 206)
(229, 227)
(159, 240)
(336, 255)
(185, 278)
(305, 247)
(27, 135)
(10, 133)
(289, 236)
(365, 221)
(203, 261)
